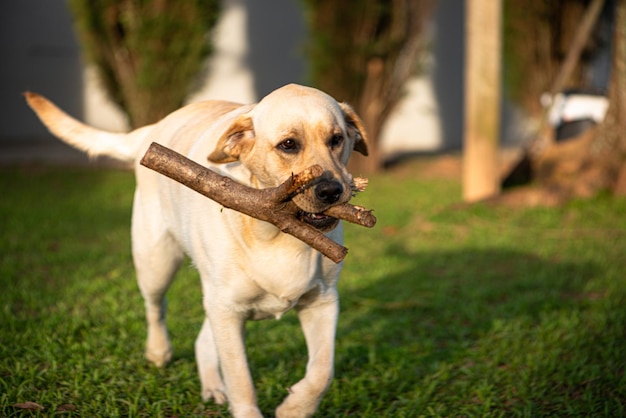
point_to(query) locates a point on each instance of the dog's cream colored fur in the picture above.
(249, 269)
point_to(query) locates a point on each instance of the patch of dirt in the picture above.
(449, 166)
(442, 166)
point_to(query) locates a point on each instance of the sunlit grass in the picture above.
(446, 310)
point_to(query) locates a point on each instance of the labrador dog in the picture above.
(248, 268)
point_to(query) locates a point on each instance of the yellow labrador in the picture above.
(249, 269)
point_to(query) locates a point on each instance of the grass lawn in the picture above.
(446, 310)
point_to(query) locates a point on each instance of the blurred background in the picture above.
(511, 307)
(405, 67)
(258, 46)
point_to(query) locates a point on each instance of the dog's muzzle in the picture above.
(327, 192)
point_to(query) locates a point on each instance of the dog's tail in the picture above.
(120, 146)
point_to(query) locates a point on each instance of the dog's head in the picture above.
(290, 130)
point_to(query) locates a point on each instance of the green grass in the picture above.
(446, 310)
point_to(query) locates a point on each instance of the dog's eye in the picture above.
(289, 145)
(335, 141)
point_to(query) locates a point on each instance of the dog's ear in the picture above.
(354, 126)
(237, 139)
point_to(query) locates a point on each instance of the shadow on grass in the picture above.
(442, 313)
(63, 226)
(463, 292)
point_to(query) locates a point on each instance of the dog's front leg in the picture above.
(228, 332)
(319, 322)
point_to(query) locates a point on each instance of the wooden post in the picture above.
(482, 99)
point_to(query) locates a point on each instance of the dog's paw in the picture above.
(295, 407)
(218, 394)
(246, 411)
(159, 358)
(303, 400)
(292, 411)
(158, 347)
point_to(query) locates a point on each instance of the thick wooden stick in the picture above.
(272, 205)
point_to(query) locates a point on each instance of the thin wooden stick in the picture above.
(273, 205)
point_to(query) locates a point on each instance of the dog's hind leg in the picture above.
(157, 257)
(156, 267)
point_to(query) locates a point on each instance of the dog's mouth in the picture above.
(319, 221)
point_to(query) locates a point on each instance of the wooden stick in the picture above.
(273, 205)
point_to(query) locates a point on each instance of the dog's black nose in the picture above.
(329, 191)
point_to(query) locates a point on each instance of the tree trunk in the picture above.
(482, 100)
(370, 109)
(370, 67)
(595, 161)
(609, 149)
(618, 96)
